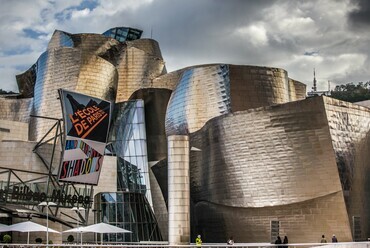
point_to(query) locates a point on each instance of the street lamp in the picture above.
(47, 204)
(78, 209)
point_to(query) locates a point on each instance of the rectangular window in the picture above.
(356, 222)
(275, 226)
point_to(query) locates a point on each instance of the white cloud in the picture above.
(298, 26)
(80, 13)
(110, 7)
(254, 34)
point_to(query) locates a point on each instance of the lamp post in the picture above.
(47, 204)
(77, 210)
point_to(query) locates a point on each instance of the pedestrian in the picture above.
(323, 239)
(278, 241)
(230, 241)
(285, 241)
(334, 239)
(198, 240)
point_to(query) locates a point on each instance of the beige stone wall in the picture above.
(15, 109)
(108, 176)
(13, 130)
(19, 155)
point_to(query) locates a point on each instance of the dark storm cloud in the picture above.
(360, 17)
(193, 29)
(278, 33)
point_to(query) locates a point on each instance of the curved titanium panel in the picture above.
(202, 94)
(26, 82)
(97, 78)
(169, 80)
(195, 99)
(302, 222)
(255, 86)
(77, 69)
(60, 39)
(350, 128)
(56, 68)
(299, 90)
(273, 158)
(268, 155)
(139, 65)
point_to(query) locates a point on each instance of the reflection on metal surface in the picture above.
(266, 154)
(201, 94)
(91, 64)
(207, 91)
(293, 162)
(140, 64)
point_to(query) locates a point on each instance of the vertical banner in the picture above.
(86, 124)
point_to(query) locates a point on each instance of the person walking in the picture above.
(285, 241)
(334, 239)
(278, 241)
(323, 239)
(198, 240)
(230, 241)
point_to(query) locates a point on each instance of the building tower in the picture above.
(314, 88)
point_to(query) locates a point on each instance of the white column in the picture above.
(178, 190)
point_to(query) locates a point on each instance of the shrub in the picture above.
(7, 238)
(70, 238)
(50, 242)
(38, 240)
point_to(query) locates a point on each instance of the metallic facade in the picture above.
(97, 65)
(258, 152)
(201, 94)
(299, 163)
(91, 64)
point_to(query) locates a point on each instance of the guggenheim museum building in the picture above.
(218, 149)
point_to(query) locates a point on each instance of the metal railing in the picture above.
(161, 245)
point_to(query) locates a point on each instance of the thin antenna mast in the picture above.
(314, 88)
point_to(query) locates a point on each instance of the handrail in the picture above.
(161, 245)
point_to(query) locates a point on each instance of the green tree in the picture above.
(38, 240)
(4, 92)
(7, 238)
(352, 92)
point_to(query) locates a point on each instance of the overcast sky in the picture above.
(296, 35)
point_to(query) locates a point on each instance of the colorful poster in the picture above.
(86, 122)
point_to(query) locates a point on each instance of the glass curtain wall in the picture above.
(123, 34)
(131, 207)
(128, 143)
(130, 211)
